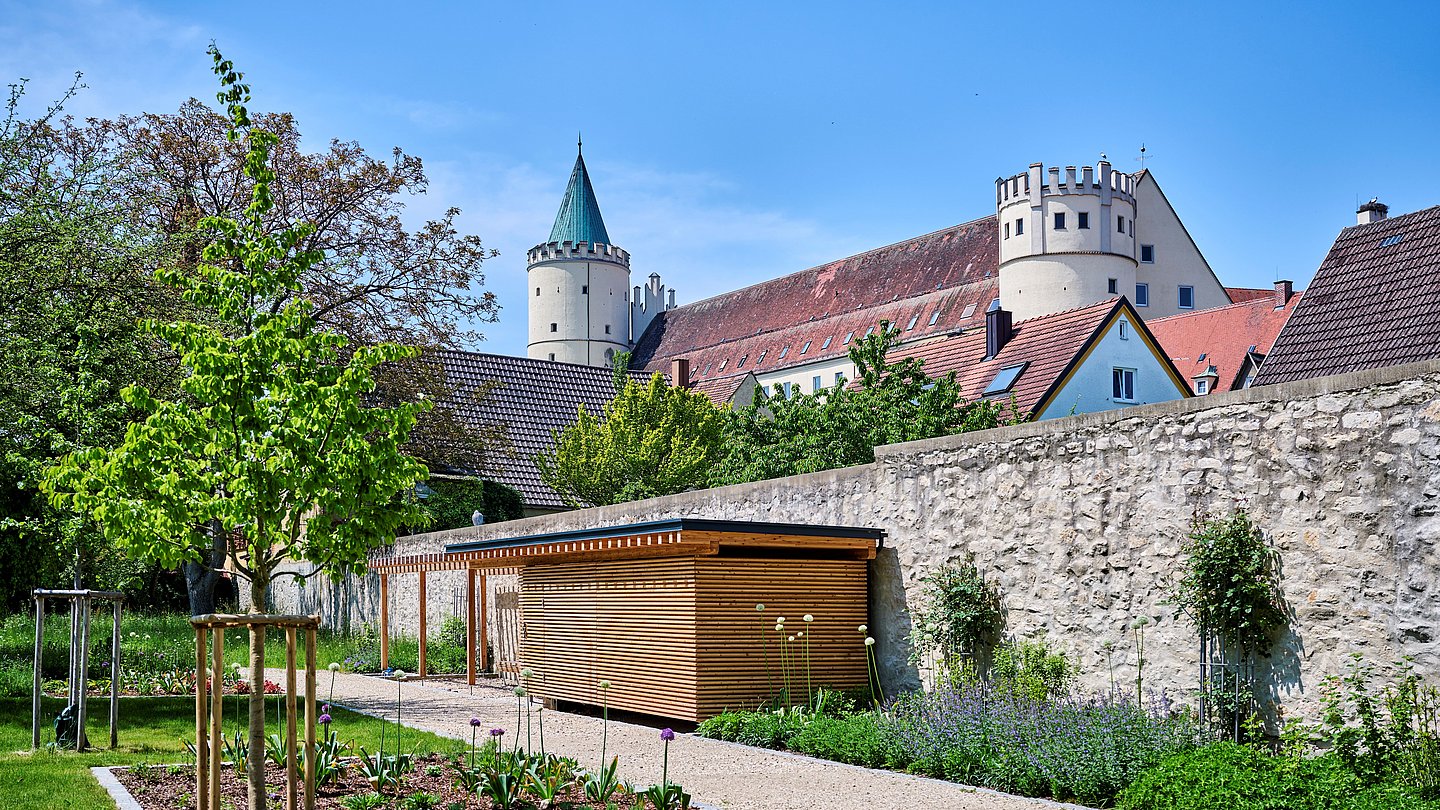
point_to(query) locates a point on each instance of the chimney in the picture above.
(1372, 211)
(680, 372)
(997, 329)
(1283, 290)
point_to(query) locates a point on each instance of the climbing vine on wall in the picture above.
(1229, 584)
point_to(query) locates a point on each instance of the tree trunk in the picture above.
(202, 577)
(257, 700)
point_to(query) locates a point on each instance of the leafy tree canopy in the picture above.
(650, 440)
(842, 426)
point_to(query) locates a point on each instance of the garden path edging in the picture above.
(118, 793)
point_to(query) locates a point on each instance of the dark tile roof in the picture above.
(532, 399)
(1374, 301)
(1223, 336)
(948, 270)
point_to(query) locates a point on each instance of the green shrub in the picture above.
(1031, 669)
(958, 613)
(1235, 777)
(857, 739)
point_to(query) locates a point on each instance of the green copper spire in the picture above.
(579, 218)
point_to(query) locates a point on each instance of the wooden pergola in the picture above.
(600, 584)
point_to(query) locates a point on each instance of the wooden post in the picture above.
(384, 622)
(202, 735)
(290, 770)
(82, 740)
(217, 695)
(484, 642)
(470, 626)
(115, 679)
(422, 623)
(310, 719)
(39, 673)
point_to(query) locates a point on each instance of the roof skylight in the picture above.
(1004, 380)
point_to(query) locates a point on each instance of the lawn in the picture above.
(151, 730)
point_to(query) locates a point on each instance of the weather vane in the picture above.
(1143, 157)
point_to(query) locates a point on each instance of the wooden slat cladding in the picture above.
(680, 637)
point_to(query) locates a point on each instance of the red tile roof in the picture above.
(1048, 344)
(1222, 337)
(1374, 301)
(953, 271)
(1239, 295)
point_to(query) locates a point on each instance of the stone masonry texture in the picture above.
(1079, 521)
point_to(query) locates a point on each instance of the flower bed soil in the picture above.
(162, 789)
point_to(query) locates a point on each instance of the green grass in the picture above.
(151, 730)
(162, 642)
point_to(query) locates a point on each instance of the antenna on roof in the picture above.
(1143, 157)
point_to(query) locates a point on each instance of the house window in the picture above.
(1202, 386)
(1019, 226)
(826, 344)
(1007, 230)
(1004, 380)
(722, 364)
(1122, 385)
(1187, 297)
(848, 335)
(1082, 220)
(1120, 224)
(1124, 330)
(784, 352)
(786, 389)
(743, 358)
(1060, 221)
(1112, 286)
(554, 327)
(607, 328)
(870, 331)
(839, 377)
(805, 348)
(934, 316)
(913, 319)
(708, 365)
(584, 289)
(1142, 295)
(761, 358)
(815, 383)
(1147, 254)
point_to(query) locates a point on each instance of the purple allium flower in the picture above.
(325, 709)
(475, 721)
(496, 732)
(325, 719)
(667, 734)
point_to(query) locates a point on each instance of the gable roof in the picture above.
(948, 269)
(532, 399)
(1222, 337)
(1374, 301)
(579, 217)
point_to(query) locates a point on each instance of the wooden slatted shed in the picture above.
(665, 611)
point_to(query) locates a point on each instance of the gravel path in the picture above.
(717, 774)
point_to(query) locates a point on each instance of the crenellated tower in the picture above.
(1067, 238)
(579, 286)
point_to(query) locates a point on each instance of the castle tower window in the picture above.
(1142, 295)
(1019, 227)
(1060, 221)
(554, 327)
(537, 292)
(1187, 297)
(552, 355)
(1112, 286)
(1120, 224)
(1147, 254)
(1082, 220)
(1007, 230)
(607, 328)
(584, 289)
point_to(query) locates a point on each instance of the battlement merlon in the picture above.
(585, 251)
(1100, 180)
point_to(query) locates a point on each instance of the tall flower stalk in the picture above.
(604, 720)
(474, 729)
(874, 670)
(399, 678)
(520, 695)
(334, 668)
(525, 675)
(765, 652)
(1139, 625)
(809, 692)
(666, 735)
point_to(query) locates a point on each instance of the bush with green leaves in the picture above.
(1031, 669)
(858, 739)
(1390, 735)
(1237, 777)
(959, 613)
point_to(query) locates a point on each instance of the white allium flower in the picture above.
(800, 634)
(780, 619)
(862, 628)
(808, 617)
(792, 638)
(527, 673)
(520, 692)
(779, 628)
(604, 684)
(399, 674)
(869, 642)
(334, 667)
(760, 606)
(238, 668)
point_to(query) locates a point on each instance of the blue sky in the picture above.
(734, 142)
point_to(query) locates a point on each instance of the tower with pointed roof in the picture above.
(579, 286)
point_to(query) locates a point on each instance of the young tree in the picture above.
(650, 440)
(842, 426)
(274, 441)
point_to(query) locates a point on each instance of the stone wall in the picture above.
(1079, 520)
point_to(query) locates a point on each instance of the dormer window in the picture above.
(805, 348)
(722, 364)
(848, 335)
(826, 344)
(913, 319)
(743, 358)
(934, 316)
(761, 358)
(783, 352)
(1202, 387)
